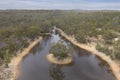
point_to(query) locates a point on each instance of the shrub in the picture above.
(103, 49)
(59, 50)
(117, 49)
(109, 35)
(80, 36)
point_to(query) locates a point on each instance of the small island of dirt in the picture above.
(52, 59)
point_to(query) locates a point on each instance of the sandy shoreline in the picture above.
(14, 65)
(15, 62)
(54, 60)
(113, 65)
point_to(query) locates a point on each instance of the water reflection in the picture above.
(56, 73)
(37, 48)
(81, 52)
(103, 64)
(84, 66)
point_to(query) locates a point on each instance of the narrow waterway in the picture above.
(84, 67)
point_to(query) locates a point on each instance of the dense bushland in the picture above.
(19, 27)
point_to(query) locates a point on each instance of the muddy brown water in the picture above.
(85, 66)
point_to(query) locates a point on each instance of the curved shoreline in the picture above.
(52, 59)
(15, 62)
(113, 65)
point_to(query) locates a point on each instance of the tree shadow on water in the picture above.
(103, 64)
(56, 72)
(81, 52)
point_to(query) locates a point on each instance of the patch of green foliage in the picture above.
(109, 35)
(103, 49)
(117, 49)
(60, 51)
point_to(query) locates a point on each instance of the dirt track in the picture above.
(113, 65)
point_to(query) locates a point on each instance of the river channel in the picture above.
(85, 66)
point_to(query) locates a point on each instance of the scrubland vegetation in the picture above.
(19, 27)
(60, 51)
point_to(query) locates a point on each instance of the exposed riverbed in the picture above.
(84, 67)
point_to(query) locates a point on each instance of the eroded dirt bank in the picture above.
(113, 65)
(14, 65)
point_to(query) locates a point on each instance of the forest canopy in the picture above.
(18, 27)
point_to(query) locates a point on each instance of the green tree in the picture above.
(60, 51)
